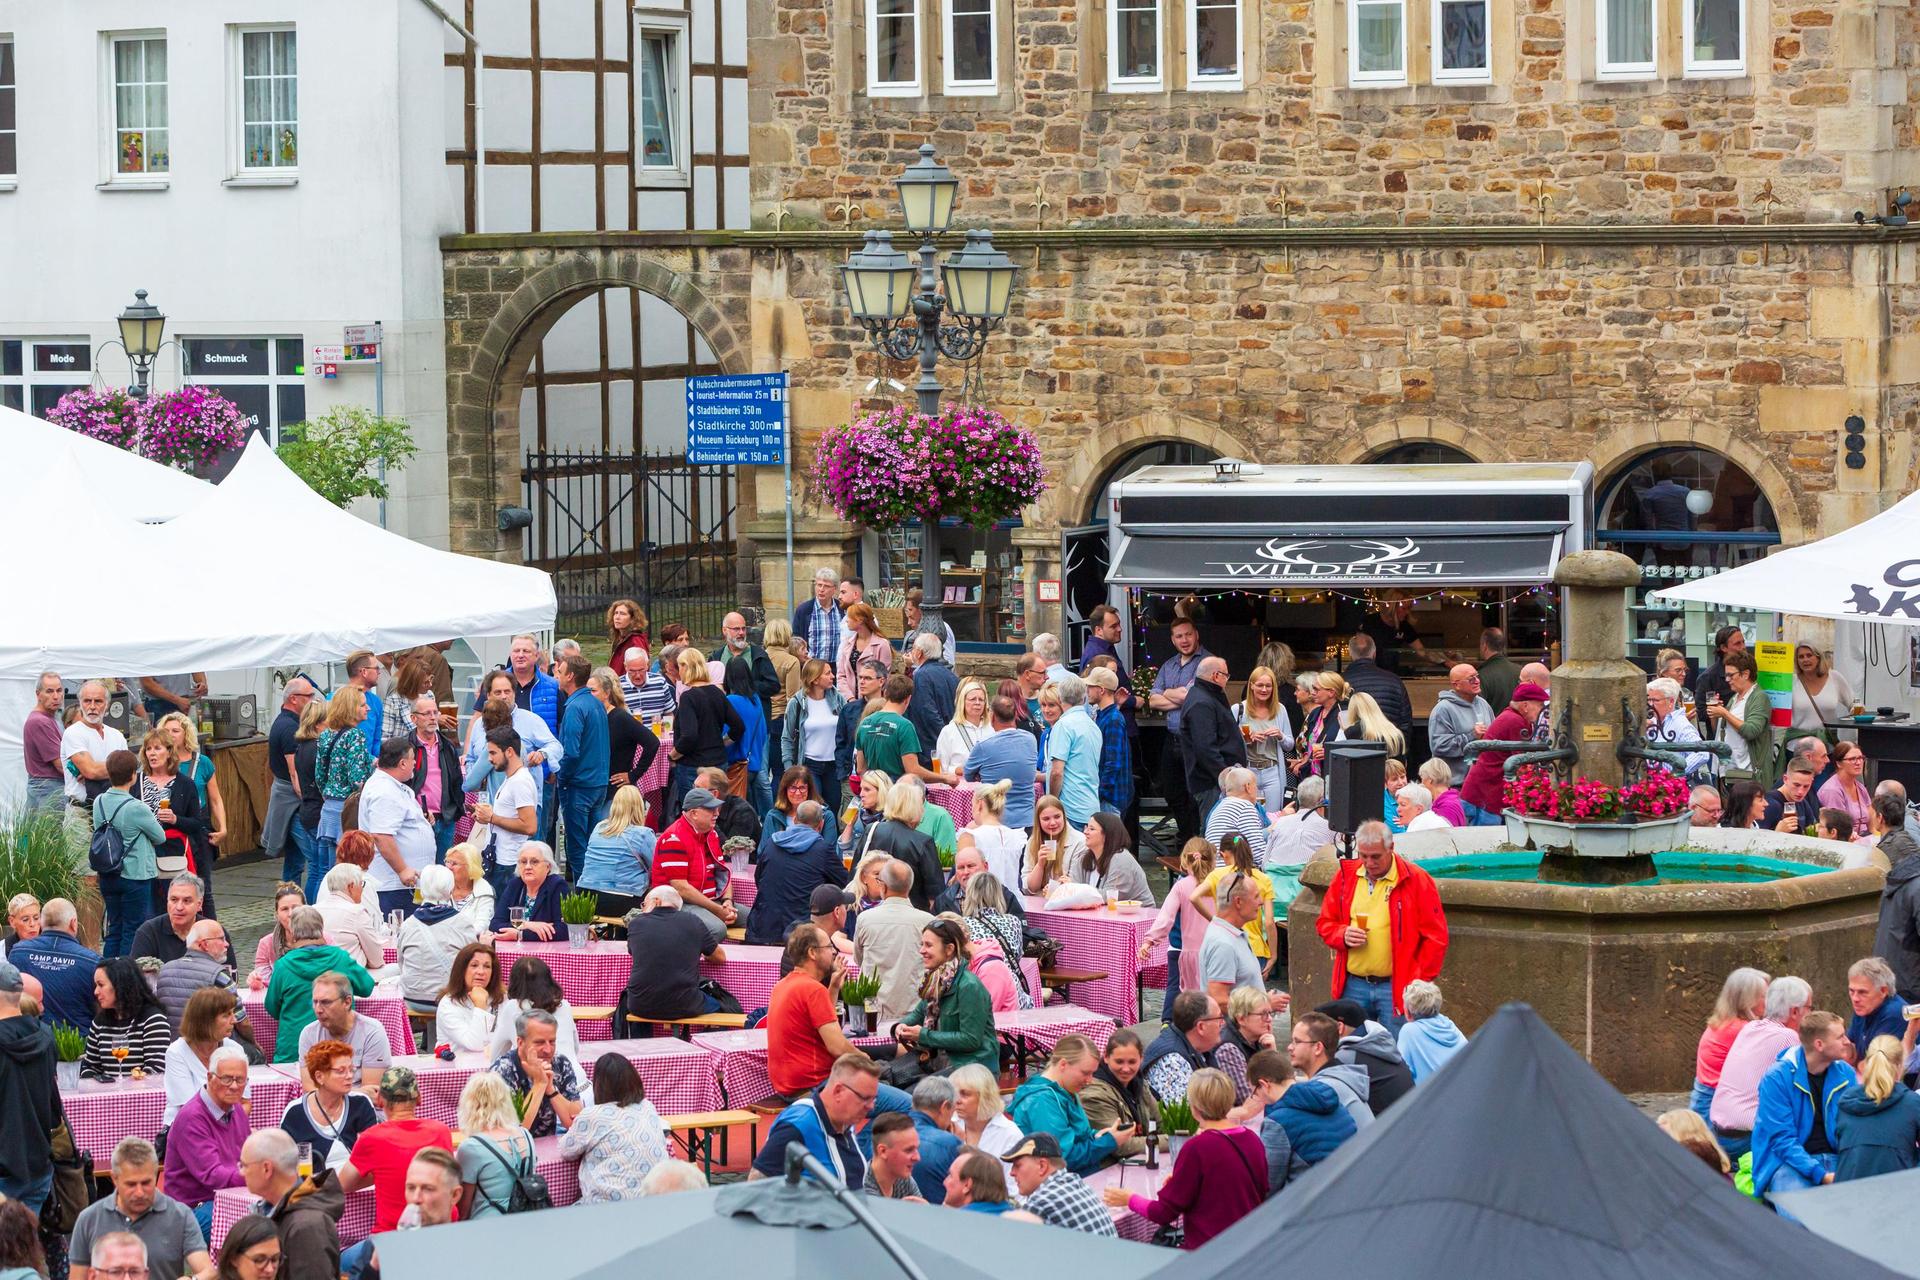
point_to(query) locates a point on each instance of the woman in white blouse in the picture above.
(1054, 849)
(342, 906)
(1001, 846)
(470, 1004)
(206, 1025)
(1821, 695)
(471, 891)
(968, 726)
(979, 1112)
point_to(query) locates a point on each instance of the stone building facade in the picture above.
(1574, 229)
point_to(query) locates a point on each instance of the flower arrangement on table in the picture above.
(188, 428)
(893, 466)
(1534, 790)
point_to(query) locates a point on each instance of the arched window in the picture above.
(1175, 454)
(1417, 452)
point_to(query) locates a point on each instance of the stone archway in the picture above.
(500, 305)
(1065, 504)
(1618, 450)
(1378, 440)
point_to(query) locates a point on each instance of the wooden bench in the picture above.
(696, 1130)
(737, 933)
(418, 1023)
(684, 1027)
(593, 1013)
(1062, 980)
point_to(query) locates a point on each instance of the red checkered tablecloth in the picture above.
(102, 1114)
(356, 1224)
(1140, 1180)
(1042, 1029)
(740, 1062)
(679, 1077)
(743, 891)
(384, 1006)
(1101, 941)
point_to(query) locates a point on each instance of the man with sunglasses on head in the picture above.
(824, 1122)
(1226, 956)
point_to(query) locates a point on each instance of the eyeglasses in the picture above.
(120, 1273)
(231, 1082)
(264, 1261)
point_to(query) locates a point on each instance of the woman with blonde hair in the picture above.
(1821, 695)
(968, 728)
(704, 722)
(1693, 1133)
(862, 643)
(779, 642)
(1365, 721)
(1320, 723)
(472, 892)
(196, 765)
(1876, 1119)
(1198, 858)
(497, 1151)
(1054, 849)
(620, 855)
(1220, 1175)
(1743, 998)
(1268, 732)
(341, 765)
(810, 729)
(898, 833)
(176, 803)
(980, 1112)
(999, 845)
(875, 786)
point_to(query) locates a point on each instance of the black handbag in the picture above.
(72, 1182)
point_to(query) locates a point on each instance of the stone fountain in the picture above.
(1621, 950)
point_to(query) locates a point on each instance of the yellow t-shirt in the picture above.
(1374, 960)
(1255, 929)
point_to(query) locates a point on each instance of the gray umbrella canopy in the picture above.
(1515, 1160)
(746, 1227)
(1874, 1217)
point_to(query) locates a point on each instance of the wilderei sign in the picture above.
(1336, 560)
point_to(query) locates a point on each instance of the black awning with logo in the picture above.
(1290, 560)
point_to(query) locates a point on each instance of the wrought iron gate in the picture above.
(642, 525)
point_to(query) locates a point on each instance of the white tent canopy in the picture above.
(1869, 573)
(259, 571)
(113, 479)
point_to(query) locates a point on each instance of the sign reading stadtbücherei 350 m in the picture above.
(737, 419)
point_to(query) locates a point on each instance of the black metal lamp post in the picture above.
(908, 317)
(141, 327)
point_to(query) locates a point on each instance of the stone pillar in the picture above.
(1589, 685)
(816, 543)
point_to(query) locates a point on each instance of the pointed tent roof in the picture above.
(1871, 1216)
(1864, 574)
(117, 481)
(1517, 1160)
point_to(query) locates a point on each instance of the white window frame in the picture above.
(9, 177)
(878, 88)
(148, 179)
(239, 172)
(1606, 67)
(1359, 79)
(950, 82)
(1118, 83)
(29, 378)
(1460, 75)
(675, 28)
(272, 379)
(1216, 83)
(1714, 68)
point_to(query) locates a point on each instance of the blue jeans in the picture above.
(354, 1258)
(1173, 971)
(549, 812)
(46, 795)
(319, 861)
(203, 1214)
(1375, 995)
(759, 792)
(126, 901)
(1785, 1178)
(826, 776)
(683, 777)
(32, 1194)
(1478, 817)
(1701, 1099)
(582, 809)
(442, 840)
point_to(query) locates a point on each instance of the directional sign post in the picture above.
(741, 420)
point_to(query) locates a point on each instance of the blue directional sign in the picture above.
(737, 419)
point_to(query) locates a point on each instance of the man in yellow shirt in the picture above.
(1384, 922)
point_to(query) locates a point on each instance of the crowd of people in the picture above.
(813, 753)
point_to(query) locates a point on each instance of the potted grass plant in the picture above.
(577, 911)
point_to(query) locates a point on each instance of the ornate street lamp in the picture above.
(908, 318)
(141, 326)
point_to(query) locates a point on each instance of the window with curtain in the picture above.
(1460, 41)
(1133, 44)
(1377, 41)
(1627, 38)
(1213, 39)
(659, 148)
(970, 46)
(893, 45)
(140, 144)
(269, 100)
(1714, 36)
(9, 161)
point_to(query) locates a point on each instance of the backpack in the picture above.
(529, 1189)
(107, 851)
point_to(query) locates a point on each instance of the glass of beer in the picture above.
(936, 764)
(1113, 900)
(1360, 919)
(1246, 732)
(306, 1159)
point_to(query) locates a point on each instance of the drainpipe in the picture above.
(479, 115)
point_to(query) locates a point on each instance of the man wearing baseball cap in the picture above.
(688, 858)
(1483, 794)
(1051, 1193)
(381, 1156)
(829, 908)
(29, 1097)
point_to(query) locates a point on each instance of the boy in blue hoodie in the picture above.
(1792, 1140)
(1322, 1111)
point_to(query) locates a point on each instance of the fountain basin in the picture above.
(1627, 974)
(1597, 839)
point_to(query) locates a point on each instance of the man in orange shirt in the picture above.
(1383, 920)
(803, 1032)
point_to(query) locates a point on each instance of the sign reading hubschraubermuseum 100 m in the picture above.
(737, 419)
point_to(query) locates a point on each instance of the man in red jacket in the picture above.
(1382, 917)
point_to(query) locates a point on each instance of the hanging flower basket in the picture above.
(191, 428)
(1594, 819)
(109, 416)
(894, 466)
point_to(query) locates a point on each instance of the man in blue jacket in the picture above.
(1792, 1142)
(823, 1121)
(583, 768)
(1327, 1107)
(792, 862)
(933, 1103)
(63, 965)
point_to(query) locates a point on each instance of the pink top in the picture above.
(1193, 925)
(1833, 794)
(1447, 805)
(852, 654)
(1714, 1043)
(1756, 1048)
(264, 954)
(989, 964)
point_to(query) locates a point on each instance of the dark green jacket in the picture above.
(966, 1024)
(290, 991)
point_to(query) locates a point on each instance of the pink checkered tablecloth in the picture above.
(102, 1114)
(356, 1224)
(655, 778)
(740, 1062)
(958, 801)
(1101, 941)
(384, 1006)
(743, 891)
(1041, 1029)
(1140, 1180)
(679, 1077)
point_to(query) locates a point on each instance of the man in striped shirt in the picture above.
(648, 695)
(818, 621)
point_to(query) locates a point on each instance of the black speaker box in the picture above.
(1356, 784)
